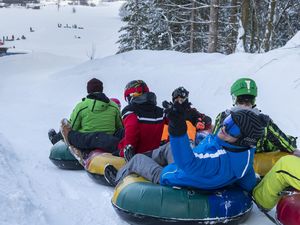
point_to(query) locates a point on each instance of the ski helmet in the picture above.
(180, 92)
(135, 88)
(243, 86)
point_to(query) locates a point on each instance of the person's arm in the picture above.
(119, 123)
(199, 120)
(75, 118)
(248, 181)
(193, 163)
(218, 122)
(131, 133)
(279, 139)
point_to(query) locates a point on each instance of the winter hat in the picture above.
(94, 85)
(252, 126)
(117, 101)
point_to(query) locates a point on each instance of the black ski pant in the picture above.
(87, 142)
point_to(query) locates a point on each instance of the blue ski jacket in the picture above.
(209, 165)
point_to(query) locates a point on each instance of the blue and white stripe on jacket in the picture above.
(209, 165)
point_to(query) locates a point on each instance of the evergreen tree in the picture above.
(133, 33)
(209, 26)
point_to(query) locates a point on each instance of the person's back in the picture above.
(244, 92)
(96, 112)
(143, 120)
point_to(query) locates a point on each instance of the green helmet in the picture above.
(243, 86)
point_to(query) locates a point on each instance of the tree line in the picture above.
(224, 26)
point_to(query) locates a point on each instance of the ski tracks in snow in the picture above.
(18, 206)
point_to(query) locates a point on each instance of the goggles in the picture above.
(180, 92)
(231, 128)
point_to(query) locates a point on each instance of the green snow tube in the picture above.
(62, 158)
(140, 202)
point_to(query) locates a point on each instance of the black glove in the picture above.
(176, 115)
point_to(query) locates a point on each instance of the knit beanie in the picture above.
(252, 126)
(94, 85)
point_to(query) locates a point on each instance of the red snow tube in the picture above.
(288, 209)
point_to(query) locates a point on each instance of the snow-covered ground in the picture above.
(40, 88)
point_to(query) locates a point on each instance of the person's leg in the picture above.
(142, 165)
(93, 140)
(54, 137)
(120, 133)
(285, 173)
(163, 155)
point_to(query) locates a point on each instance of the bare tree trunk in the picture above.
(233, 26)
(213, 26)
(193, 18)
(269, 29)
(245, 22)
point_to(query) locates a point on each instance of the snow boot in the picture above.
(128, 152)
(110, 174)
(54, 137)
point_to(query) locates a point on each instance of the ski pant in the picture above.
(95, 140)
(285, 173)
(148, 165)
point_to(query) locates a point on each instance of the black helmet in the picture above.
(180, 92)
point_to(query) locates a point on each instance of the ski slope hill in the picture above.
(40, 88)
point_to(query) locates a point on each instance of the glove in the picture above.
(176, 115)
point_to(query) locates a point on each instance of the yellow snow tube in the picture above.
(263, 162)
(96, 163)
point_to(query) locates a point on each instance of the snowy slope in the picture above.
(38, 89)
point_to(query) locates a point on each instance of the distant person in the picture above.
(96, 112)
(244, 92)
(196, 121)
(31, 29)
(117, 101)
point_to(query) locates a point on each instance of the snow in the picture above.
(38, 89)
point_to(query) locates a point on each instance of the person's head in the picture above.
(134, 89)
(180, 94)
(243, 128)
(94, 85)
(244, 92)
(117, 101)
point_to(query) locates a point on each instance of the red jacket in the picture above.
(143, 124)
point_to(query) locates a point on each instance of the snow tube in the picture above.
(288, 209)
(96, 162)
(263, 162)
(140, 202)
(62, 158)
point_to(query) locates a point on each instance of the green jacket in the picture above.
(285, 173)
(273, 140)
(96, 113)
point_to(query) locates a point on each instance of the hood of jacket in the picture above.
(146, 98)
(97, 102)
